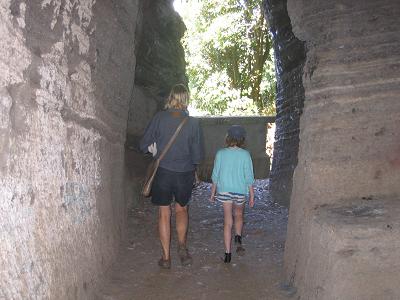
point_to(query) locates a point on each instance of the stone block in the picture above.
(353, 251)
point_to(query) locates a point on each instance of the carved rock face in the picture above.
(349, 148)
(67, 72)
(290, 57)
(160, 55)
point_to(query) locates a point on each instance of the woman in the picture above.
(176, 172)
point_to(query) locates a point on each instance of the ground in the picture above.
(257, 275)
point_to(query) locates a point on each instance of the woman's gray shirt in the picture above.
(187, 150)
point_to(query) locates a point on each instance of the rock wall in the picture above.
(160, 55)
(342, 240)
(289, 61)
(67, 73)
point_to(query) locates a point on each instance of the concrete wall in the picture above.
(67, 72)
(214, 131)
(342, 240)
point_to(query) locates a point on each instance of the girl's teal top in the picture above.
(233, 170)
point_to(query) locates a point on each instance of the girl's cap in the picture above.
(237, 132)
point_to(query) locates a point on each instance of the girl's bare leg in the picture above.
(239, 209)
(228, 221)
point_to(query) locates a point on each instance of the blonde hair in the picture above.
(178, 98)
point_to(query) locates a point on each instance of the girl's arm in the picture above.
(251, 192)
(215, 175)
(248, 171)
(249, 178)
(213, 189)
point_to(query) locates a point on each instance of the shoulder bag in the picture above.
(152, 168)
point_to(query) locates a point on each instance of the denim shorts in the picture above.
(169, 185)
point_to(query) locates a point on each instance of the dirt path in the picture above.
(257, 275)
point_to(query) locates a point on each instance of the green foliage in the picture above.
(229, 58)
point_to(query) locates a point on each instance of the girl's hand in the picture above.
(212, 198)
(251, 202)
(213, 191)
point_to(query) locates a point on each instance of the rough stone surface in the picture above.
(143, 107)
(289, 61)
(67, 72)
(160, 55)
(355, 250)
(349, 139)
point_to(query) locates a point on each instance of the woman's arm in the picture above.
(150, 135)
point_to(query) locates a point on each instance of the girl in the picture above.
(233, 180)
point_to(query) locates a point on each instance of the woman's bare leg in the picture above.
(164, 229)
(182, 220)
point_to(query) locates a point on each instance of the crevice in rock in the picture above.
(289, 62)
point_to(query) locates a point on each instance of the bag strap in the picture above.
(171, 141)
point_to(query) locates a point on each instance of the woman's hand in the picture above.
(153, 149)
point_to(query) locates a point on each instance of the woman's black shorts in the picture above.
(168, 185)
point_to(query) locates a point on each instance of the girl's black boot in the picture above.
(239, 248)
(227, 258)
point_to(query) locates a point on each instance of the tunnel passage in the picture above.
(68, 80)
